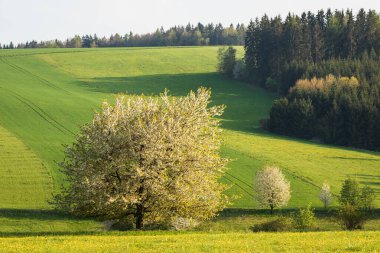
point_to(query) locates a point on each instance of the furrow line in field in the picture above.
(26, 72)
(234, 183)
(40, 112)
(21, 55)
(47, 115)
(249, 186)
(301, 178)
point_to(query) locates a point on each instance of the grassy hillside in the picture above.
(25, 182)
(46, 94)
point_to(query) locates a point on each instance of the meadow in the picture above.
(199, 242)
(47, 94)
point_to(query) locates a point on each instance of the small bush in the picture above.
(304, 219)
(226, 60)
(367, 198)
(277, 225)
(350, 192)
(355, 204)
(351, 217)
(239, 70)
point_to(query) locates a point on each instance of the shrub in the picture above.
(277, 225)
(226, 60)
(239, 70)
(351, 217)
(304, 219)
(355, 204)
(350, 192)
(367, 198)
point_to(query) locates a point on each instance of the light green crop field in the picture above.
(25, 182)
(47, 94)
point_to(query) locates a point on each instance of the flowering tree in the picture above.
(147, 157)
(325, 196)
(272, 189)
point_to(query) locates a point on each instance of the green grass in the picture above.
(25, 182)
(199, 242)
(46, 94)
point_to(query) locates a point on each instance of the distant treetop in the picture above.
(189, 35)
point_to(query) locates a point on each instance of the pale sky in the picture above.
(22, 20)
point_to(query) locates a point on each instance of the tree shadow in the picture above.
(368, 180)
(355, 158)
(52, 215)
(246, 104)
(239, 97)
(319, 212)
(36, 214)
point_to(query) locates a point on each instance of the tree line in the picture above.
(189, 35)
(273, 43)
(280, 54)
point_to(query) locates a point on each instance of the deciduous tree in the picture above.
(152, 158)
(272, 189)
(325, 195)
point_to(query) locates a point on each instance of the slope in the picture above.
(53, 92)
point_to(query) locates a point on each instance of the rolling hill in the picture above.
(47, 94)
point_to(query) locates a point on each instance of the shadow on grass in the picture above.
(246, 104)
(355, 158)
(47, 233)
(36, 214)
(319, 212)
(239, 97)
(52, 215)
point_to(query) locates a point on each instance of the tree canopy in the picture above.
(272, 188)
(153, 158)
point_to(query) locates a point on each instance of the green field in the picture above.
(46, 94)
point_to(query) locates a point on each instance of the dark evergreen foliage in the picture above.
(317, 45)
(281, 49)
(347, 115)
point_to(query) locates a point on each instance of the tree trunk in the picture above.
(139, 217)
(271, 209)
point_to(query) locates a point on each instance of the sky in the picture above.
(25, 20)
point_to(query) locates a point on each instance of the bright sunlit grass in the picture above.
(47, 94)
